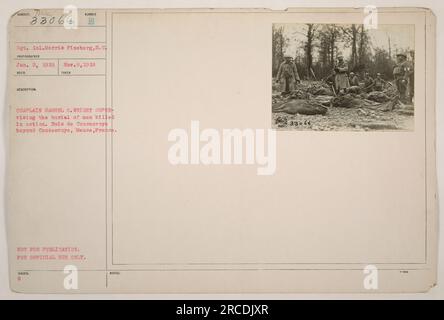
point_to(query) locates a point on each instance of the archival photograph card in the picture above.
(221, 150)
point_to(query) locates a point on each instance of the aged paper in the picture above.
(222, 150)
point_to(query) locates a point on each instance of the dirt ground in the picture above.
(361, 118)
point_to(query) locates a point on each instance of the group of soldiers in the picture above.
(342, 81)
(369, 83)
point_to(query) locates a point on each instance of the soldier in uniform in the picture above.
(379, 83)
(369, 83)
(401, 75)
(341, 78)
(287, 75)
(354, 80)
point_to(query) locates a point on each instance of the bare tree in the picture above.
(279, 45)
(351, 37)
(333, 33)
(311, 29)
(317, 46)
(328, 37)
(390, 46)
(363, 45)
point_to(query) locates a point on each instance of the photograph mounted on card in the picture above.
(343, 77)
(221, 150)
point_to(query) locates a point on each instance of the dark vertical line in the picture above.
(425, 134)
(106, 154)
(112, 139)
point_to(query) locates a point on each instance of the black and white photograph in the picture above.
(333, 77)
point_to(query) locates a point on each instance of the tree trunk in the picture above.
(309, 49)
(354, 45)
(362, 45)
(332, 48)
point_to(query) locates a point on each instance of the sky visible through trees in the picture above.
(315, 47)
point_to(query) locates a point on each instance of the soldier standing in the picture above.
(287, 75)
(401, 74)
(341, 78)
